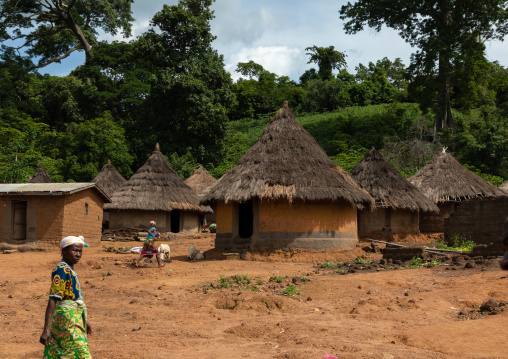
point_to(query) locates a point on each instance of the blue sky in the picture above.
(275, 33)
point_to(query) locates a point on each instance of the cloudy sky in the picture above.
(275, 33)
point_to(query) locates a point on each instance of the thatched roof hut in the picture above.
(287, 163)
(462, 197)
(109, 179)
(157, 187)
(387, 186)
(504, 187)
(40, 176)
(285, 193)
(200, 181)
(398, 202)
(444, 179)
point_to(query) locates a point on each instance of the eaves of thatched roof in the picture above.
(109, 179)
(156, 187)
(387, 186)
(40, 176)
(444, 179)
(287, 163)
(504, 187)
(200, 181)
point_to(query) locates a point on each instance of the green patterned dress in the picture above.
(68, 324)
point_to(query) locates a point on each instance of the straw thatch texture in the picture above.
(444, 179)
(286, 162)
(200, 181)
(108, 179)
(40, 176)
(388, 187)
(504, 187)
(156, 187)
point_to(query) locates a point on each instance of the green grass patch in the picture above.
(459, 243)
(360, 260)
(291, 290)
(328, 265)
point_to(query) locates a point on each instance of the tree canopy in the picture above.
(53, 29)
(441, 30)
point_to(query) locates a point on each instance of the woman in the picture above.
(149, 248)
(65, 325)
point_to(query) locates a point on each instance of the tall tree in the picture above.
(190, 90)
(53, 29)
(327, 59)
(440, 29)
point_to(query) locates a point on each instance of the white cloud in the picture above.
(281, 60)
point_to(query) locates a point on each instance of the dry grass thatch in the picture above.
(444, 179)
(504, 187)
(40, 176)
(200, 181)
(156, 187)
(286, 162)
(388, 187)
(108, 179)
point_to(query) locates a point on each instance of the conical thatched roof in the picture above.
(108, 179)
(504, 187)
(200, 181)
(388, 187)
(156, 187)
(444, 179)
(286, 162)
(40, 176)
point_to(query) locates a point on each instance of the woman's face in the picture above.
(72, 254)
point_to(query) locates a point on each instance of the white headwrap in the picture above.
(67, 241)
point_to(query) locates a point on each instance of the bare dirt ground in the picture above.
(179, 312)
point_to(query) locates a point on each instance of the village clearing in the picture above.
(179, 311)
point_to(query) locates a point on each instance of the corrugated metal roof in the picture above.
(48, 188)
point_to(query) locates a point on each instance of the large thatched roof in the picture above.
(40, 176)
(388, 187)
(200, 181)
(108, 179)
(444, 179)
(504, 187)
(156, 187)
(286, 162)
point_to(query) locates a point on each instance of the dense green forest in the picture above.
(169, 85)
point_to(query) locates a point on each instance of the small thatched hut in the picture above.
(156, 192)
(504, 187)
(398, 202)
(40, 176)
(285, 192)
(109, 180)
(451, 186)
(201, 181)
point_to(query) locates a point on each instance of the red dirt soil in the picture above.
(167, 312)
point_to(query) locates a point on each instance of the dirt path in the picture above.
(171, 313)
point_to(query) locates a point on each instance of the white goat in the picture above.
(165, 252)
(195, 253)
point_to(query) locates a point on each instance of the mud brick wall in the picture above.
(49, 213)
(403, 254)
(83, 216)
(485, 250)
(479, 219)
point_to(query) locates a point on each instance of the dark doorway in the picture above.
(175, 221)
(19, 220)
(245, 219)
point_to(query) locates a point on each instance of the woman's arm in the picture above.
(47, 320)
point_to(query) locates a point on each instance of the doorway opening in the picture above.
(19, 220)
(175, 221)
(245, 219)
